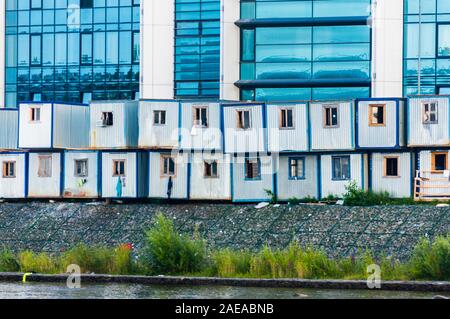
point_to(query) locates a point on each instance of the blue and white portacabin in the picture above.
(45, 174)
(82, 174)
(14, 175)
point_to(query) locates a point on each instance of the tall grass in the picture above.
(8, 262)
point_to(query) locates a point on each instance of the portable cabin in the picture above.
(210, 176)
(297, 177)
(45, 178)
(432, 178)
(428, 121)
(82, 174)
(169, 174)
(337, 171)
(114, 125)
(392, 172)
(13, 181)
(124, 174)
(244, 128)
(9, 127)
(288, 127)
(332, 125)
(159, 124)
(201, 126)
(253, 178)
(380, 123)
(53, 126)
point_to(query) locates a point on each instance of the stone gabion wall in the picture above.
(340, 231)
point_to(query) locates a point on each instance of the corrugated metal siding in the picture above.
(158, 136)
(210, 188)
(110, 182)
(299, 189)
(158, 183)
(428, 134)
(396, 186)
(209, 138)
(143, 162)
(288, 139)
(402, 123)
(338, 138)
(13, 187)
(73, 186)
(36, 134)
(377, 136)
(40, 187)
(8, 129)
(244, 141)
(71, 126)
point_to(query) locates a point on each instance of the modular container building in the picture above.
(244, 128)
(253, 178)
(210, 176)
(53, 126)
(288, 127)
(124, 174)
(114, 125)
(337, 171)
(45, 178)
(9, 129)
(13, 181)
(392, 172)
(169, 173)
(380, 123)
(297, 177)
(332, 126)
(428, 121)
(433, 174)
(159, 124)
(82, 174)
(201, 128)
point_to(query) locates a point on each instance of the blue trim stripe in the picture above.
(180, 122)
(232, 177)
(188, 177)
(352, 124)
(62, 173)
(27, 174)
(363, 173)
(319, 177)
(99, 173)
(397, 128)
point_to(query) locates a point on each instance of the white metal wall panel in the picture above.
(81, 187)
(13, 187)
(110, 182)
(8, 129)
(70, 126)
(44, 187)
(35, 134)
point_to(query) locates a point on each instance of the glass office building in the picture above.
(71, 50)
(427, 47)
(197, 48)
(305, 49)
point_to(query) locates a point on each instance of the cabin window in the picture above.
(107, 118)
(341, 168)
(211, 169)
(377, 115)
(45, 166)
(297, 168)
(331, 116)
(286, 118)
(430, 113)
(119, 168)
(200, 116)
(35, 114)
(439, 161)
(159, 117)
(81, 168)
(168, 166)
(391, 167)
(9, 169)
(243, 119)
(252, 169)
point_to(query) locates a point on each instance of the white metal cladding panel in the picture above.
(428, 134)
(44, 187)
(8, 129)
(198, 138)
(244, 141)
(337, 188)
(159, 183)
(402, 123)
(302, 188)
(337, 138)
(158, 136)
(210, 188)
(110, 182)
(377, 136)
(13, 187)
(295, 139)
(395, 186)
(252, 190)
(81, 187)
(71, 126)
(35, 134)
(111, 136)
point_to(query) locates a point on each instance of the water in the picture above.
(127, 291)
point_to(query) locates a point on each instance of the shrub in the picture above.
(8, 262)
(37, 263)
(355, 196)
(306, 200)
(272, 195)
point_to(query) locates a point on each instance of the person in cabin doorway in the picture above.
(169, 188)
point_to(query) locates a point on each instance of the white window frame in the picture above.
(85, 162)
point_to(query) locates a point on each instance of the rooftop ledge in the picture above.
(335, 21)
